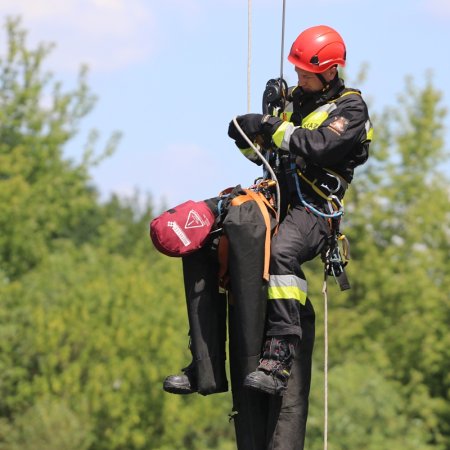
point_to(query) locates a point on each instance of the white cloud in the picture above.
(105, 34)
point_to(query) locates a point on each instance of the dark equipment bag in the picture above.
(248, 226)
(235, 254)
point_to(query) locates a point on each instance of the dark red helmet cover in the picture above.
(183, 229)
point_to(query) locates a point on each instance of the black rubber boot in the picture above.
(272, 374)
(182, 384)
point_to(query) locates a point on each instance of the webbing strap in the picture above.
(317, 190)
(342, 239)
(263, 204)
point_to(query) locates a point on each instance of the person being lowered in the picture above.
(318, 139)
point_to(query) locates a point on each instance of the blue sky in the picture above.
(171, 74)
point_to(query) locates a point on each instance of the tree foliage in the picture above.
(390, 330)
(48, 195)
(92, 319)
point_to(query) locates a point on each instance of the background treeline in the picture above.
(92, 318)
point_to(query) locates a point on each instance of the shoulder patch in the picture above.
(338, 125)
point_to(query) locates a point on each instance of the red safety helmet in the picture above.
(317, 49)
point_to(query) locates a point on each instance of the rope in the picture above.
(249, 51)
(265, 162)
(272, 174)
(282, 39)
(325, 332)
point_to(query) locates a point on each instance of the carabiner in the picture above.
(332, 191)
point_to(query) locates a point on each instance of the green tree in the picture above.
(48, 425)
(394, 321)
(92, 318)
(100, 332)
(43, 196)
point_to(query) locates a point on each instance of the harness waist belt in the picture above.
(324, 182)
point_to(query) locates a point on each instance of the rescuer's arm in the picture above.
(252, 131)
(330, 141)
(325, 145)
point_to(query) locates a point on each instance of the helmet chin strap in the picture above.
(322, 79)
(326, 83)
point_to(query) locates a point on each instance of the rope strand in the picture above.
(325, 333)
(282, 39)
(249, 51)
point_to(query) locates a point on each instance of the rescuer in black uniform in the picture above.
(317, 139)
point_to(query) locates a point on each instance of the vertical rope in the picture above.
(325, 333)
(249, 51)
(324, 289)
(282, 38)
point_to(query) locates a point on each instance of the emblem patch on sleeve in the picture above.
(339, 125)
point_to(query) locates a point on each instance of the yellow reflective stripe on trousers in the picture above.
(287, 287)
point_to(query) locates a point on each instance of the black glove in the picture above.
(251, 126)
(234, 134)
(269, 124)
(240, 142)
(254, 125)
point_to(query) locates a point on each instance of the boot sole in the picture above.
(180, 390)
(250, 384)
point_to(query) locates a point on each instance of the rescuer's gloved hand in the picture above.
(269, 125)
(239, 140)
(241, 143)
(250, 125)
(254, 125)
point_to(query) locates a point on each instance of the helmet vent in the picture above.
(314, 60)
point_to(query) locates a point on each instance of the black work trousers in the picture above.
(302, 235)
(286, 418)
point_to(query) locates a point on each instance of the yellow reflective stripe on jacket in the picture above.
(247, 152)
(287, 287)
(347, 93)
(369, 130)
(283, 133)
(316, 118)
(312, 121)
